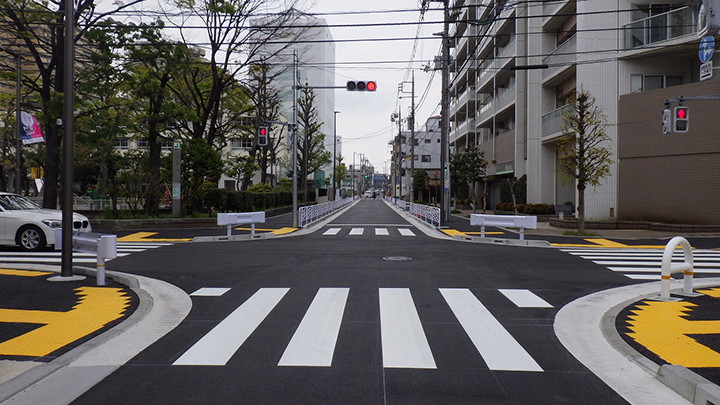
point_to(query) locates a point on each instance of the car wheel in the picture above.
(31, 239)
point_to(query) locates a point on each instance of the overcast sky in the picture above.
(364, 118)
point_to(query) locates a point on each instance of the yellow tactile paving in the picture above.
(96, 307)
(145, 237)
(662, 327)
(23, 273)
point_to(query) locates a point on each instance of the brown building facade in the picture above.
(675, 177)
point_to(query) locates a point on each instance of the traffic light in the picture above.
(262, 136)
(681, 120)
(666, 121)
(359, 85)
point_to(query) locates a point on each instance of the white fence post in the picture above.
(668, 268)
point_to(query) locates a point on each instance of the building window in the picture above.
(428, 140)
(241, 143)
(121, 143)
(426, 158)
(143, 143)
(166, 145)
(640, 83)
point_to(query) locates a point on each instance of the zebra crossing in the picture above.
(359, 231)
(644, 264)
(402, 336)
(54, 257)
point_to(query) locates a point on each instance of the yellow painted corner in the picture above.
(96, 307)
(23, 273)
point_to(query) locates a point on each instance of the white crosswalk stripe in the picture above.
(356, 231)
(403, 340)
(313, 344)
(54, 257)
(644, 264)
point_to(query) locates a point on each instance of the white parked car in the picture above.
(24, 223)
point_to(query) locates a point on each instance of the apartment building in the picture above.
(515, 64)
(425, 155)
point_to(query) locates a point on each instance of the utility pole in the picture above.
(294, 140)
(18, 127)
(334, 173)
(445, 122)
(66, 269)
(411, 122)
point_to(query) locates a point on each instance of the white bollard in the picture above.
(668, 268)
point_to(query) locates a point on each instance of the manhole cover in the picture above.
(397, 258)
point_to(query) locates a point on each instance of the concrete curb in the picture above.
(600, 348)
(501, 241)
(233, 238)
(162, 307)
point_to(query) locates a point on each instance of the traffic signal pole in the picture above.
(294, 140)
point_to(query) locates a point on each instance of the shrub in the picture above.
(530, 209)
(260, 188)
(215, 199)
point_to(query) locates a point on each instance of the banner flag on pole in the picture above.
(30, 130)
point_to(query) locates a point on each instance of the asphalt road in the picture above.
(366, 310)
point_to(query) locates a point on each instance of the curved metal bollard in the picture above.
(668, 268)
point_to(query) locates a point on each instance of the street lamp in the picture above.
(334, 172)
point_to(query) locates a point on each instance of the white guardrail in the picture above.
(103, 245)
(507, 221)
(426, 213)
(668, 268)
(230, 219)
(312, 213)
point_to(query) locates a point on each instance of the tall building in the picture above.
(316, 68)
(514, 65)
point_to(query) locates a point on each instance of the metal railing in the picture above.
(428, 214)
(95, 204)
(661, 27)
(312, 213)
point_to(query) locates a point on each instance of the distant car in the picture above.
(25, 224)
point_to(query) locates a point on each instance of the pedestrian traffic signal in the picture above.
(666, 122)
(359, 85)
(681, 121)
(262, 136)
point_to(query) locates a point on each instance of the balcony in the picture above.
(502, 100)
(462, 128)
(561, 58)
(503, 58)
(552, 122)
(658, 28)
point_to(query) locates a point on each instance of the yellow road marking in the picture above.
(96, 307)
(145, 237)
(605, 243)
(283, 230)
(23, 273)
(663, 329)
(453, 232)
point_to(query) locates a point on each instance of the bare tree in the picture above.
(585, 155)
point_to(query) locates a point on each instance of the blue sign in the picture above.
(707, 47)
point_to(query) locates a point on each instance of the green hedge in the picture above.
(221, 200)
(530, 209)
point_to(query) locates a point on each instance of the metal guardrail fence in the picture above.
(312, 213)
(95, 204)
(426, 213)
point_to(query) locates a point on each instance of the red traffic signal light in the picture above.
(681, 121)
(360, 85)
(262, 136)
